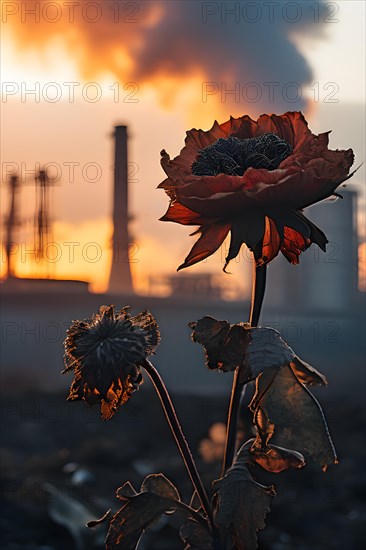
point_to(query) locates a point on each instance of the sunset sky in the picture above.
(160, 67)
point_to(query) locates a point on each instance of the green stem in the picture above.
(258, 290)
(180, 439)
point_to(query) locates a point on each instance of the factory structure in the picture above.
(323, 279)
(316, 306)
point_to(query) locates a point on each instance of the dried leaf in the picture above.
(196, 536)
(212, 334)
(261, 352)
(276, 459)
(141, 510)
(253, 349)
(241, 505)
(160, 485)
(95, 522)
(288, 415)
(265, 349)
(271, 457)
(306, 374)
(133, 518)
(126, 491)
(224, 344)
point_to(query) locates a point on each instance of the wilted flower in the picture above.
(253, 178)
(105, 353)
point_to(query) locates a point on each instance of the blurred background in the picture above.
(91, 93)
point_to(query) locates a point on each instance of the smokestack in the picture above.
(120, 281)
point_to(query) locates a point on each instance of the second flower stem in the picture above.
(258, 290)
(179, 438)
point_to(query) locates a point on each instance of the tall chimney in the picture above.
(120, 280)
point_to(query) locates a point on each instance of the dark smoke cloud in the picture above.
(181, 38)
(232, 47)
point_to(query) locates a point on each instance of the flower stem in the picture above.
(180, 439)
(258, 289)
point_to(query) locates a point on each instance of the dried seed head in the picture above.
(105, 353)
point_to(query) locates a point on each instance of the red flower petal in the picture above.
(242, 127)
(293, 244)
(248, 229)
(223, 195)
(292, 127)
(271, 242)
(212, 236)
(180, 214)
(316, 235)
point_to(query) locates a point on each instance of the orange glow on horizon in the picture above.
(77, 252)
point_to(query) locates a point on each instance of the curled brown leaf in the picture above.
(286, 414)
(276, 459)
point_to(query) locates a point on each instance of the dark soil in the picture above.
(58, 456)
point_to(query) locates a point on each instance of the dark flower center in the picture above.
(233, 156)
